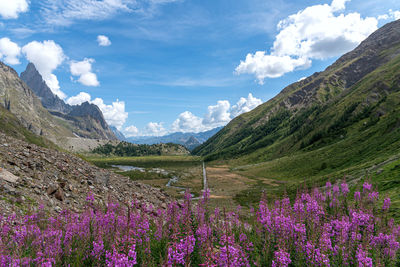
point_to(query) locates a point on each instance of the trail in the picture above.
(205, 185)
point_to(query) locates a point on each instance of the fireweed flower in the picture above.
(373, 196)
(367, 187)
(386, 204)
(306, 232)
(345, 188)
(281, 259)
(357, 196)
(363, 259)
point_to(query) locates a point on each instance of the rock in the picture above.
(8, 176)
(51, 190)
(8, 189)
(379, 171)
(59, 194)
(57, 209)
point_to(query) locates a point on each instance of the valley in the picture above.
(310, 177)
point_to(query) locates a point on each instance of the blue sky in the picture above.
(181, 65)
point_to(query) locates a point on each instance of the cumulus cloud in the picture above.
(392, 15)
(83, 69)
(9, 51)
(317, 32)
(187, 122)
(155, 129)
(114, 114)
(245, 105)
(10, 9)
(103, 40)
(46, 56)
(217, 115)
(78, 99)
(270, 66)
(131, 131)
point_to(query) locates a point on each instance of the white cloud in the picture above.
(78, 99)
(83, 69)
(317, 32)
(131, 131)
(270, 66)
(245, 105)
(395, 14)
(46, 56)
(9, 51)
(114, 114)
(218, 115)
(103, 40)
(187, 122)
(66, 12)
(10, 9)
(155, 129)
(392, 15)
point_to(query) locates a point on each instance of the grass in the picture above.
(188, 169)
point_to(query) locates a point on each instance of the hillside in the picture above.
(344, 120)
(126, 149)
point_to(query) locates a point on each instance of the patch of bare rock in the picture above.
(31, 176)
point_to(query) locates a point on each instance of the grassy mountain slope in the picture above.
(345, 120)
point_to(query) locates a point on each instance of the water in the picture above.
(170, 182)
(128, 168)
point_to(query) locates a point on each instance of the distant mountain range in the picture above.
(189, 140)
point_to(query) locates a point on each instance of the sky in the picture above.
(160, 66)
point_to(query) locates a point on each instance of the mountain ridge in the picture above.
(176, 138)
(321, 88)
(86, 117)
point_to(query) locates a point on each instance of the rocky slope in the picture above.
(31, 175)
(85, 120)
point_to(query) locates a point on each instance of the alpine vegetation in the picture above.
(321, 227)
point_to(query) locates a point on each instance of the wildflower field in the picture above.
(326, 227)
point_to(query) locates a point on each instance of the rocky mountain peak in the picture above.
(34, 80)
(88, 109)
(80, 115)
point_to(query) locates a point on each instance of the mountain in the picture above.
(85, 120)
(21, 104)
(176, 138)
(192, 143)
(343, 120)
(50, 101)
(118, 133)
